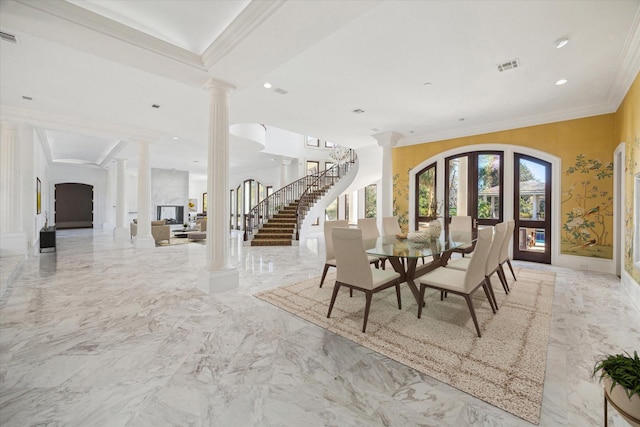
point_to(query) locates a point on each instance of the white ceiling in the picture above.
(424, 69)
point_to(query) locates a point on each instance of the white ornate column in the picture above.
(218, 276)
(143, 237)
(387, 141)
(121, 232)
(13, 240)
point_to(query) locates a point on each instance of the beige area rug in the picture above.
(504, 368)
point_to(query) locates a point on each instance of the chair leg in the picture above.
(369, 294)
(324, 273)
(398, 295)
(421, 300)
(473, 314)
(503, 279)
(486, 292)
(350, 292)
(511, 268)
(490, 286)
(336, 287)
(377, 264)
(384, 264)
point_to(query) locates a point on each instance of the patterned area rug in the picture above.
(504, 368)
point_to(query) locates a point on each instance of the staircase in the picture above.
(280, 229)
(276, 220)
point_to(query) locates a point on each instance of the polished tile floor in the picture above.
(101, 334)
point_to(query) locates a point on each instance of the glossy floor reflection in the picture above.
(101, 334)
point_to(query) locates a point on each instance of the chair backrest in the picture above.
(369, 228)
(504, 249)
(500, 232)
(390, 226)
(352, 263)
(475, 270)
(460, 223)
(328, 239)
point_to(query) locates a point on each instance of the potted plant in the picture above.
(185, 225)
(620, 374)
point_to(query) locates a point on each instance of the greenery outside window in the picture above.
(370, 201)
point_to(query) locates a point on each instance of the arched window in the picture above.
(426, 201)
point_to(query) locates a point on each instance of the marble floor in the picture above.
(101, 334)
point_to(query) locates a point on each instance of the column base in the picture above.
(212, 282)
(13, 244)
(121, 234)
(144, 242)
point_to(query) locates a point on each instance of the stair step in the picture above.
(265, 236)
(271, 242)
(278, 226)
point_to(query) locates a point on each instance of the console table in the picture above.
(48, 238)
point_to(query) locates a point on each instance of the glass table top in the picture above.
(392, 246)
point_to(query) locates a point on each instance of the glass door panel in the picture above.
(488, 202)
(532, 204)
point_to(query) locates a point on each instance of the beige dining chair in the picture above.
(459, 282)
(461, 223)
(370, 231)
(390, 226)
(355, 272)
(330, 259)
(492, 266)
(504, 249)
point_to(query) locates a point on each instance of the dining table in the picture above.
(404, 254)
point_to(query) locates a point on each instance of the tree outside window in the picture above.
(370, 201)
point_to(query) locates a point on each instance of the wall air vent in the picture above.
(8, 37)
(280, 91)
(509, 65)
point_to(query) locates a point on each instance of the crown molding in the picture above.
(627, 67)
(44, 143)
(249, 19)
(540, 119)
(111, 154)
(113, 29)
(81, 126)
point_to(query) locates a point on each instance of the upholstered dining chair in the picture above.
(370, 231)
(390, 226)
(492, 265)
(504, 249)
(461, 223)
(355, 272)
(330, 259)
(459, 282)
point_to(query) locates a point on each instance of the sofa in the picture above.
(159, 230)
(201, 224)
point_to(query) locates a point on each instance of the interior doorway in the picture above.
(73, 205)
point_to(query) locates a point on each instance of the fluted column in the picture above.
(143, 236)
(218, 276)
(13, 240)
(387, 141)
(121, 232)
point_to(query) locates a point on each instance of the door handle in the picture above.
(475, 223)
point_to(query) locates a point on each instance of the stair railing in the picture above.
(271, 205)
(322, 182)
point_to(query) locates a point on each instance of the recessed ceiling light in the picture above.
(267, 85)
(155, 106)
(175, 137)
(561, 42)
(561, 82)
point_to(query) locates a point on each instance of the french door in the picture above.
(532, 207)
(474, 187)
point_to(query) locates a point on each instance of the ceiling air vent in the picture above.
(508, 65)
(8, 37)
(358, 111)
(280, 91)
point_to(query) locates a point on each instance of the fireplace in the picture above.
(173, 214)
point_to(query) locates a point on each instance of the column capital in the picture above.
(388, 139)
(218, 87)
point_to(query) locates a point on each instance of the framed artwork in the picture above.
(38, 196)
(204, 203)
(193, 205)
